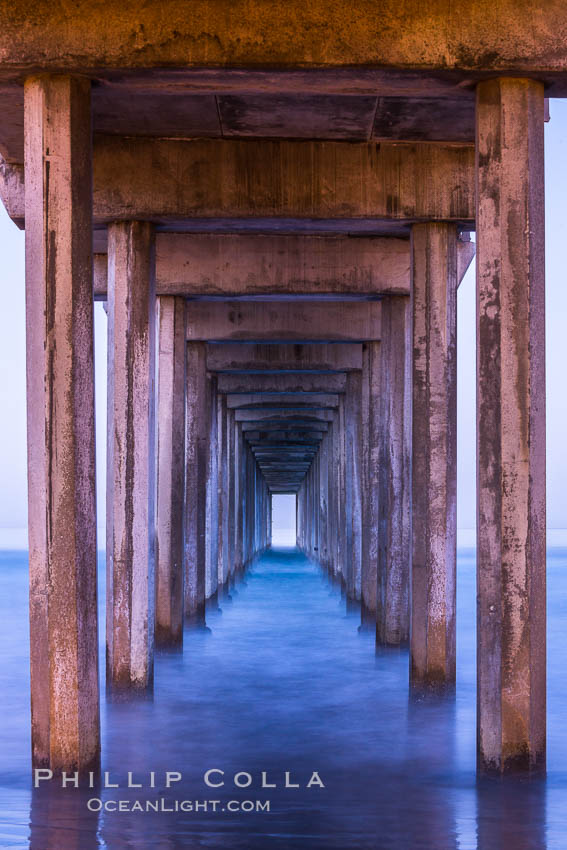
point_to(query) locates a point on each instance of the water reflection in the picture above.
(511, 813)
(60, 820)
(283, 680)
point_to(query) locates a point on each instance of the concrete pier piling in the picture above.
(306, 273)
(130, 590)
(394, 475)
(511, 426)
(61, 439)
(170, 505)
(370, 446)
(434, 456)
(197, 450)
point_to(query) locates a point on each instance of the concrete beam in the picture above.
(249, 357)
(211, 49)
(284, 438)
(282, 401)
(12, 193)
(262, 450)
(233, 265)
(279, 427)
(291, 416)
(511, 427)
(285, 465)
(300, 382)
(269, 266)
(297, 184)
(262, 447)
(279, 436)
(274, 460)
(259, 266)
(288, 321)
(65, 731)
(147, 178)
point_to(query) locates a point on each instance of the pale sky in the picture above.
(13, 508)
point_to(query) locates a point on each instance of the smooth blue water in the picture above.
(284, 680)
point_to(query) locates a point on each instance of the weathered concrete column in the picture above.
(323, 455)
(239, 496)
(212, 534)
(258, 513)
(511, 425)
(316, 504)
(60, 424)
(370, 408)
(222, 490)
(342, 472)
(245, 501)
(335, 494)
(434, 455)
(130, 564)
(197, 423)
(353, 484)
(231, 449)
(253, 507)
(331, 502)
(170, 514)
(311, 519)
(392, 602)
(270, 519)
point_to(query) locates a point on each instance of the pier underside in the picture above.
(276, 210)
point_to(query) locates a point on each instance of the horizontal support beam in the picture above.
(268, 445)
(149, 179)
(288, 321)
(280, 402)
(269, 267)
(230, 265)
(286, 465)
(299, 437)
(268, 180)
(284, 457)
(263, 449)
(225, 45)
(292, 420)
(281, 410)
(311, 429)
(301, 382)
(322, 357)
(293, 416)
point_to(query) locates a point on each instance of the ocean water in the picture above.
(282, 680)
